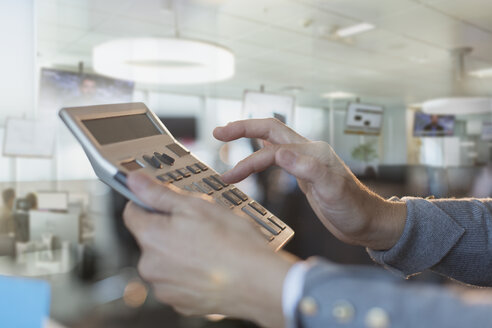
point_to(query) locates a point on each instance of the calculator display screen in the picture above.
(121, 128)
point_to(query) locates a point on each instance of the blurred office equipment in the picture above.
(29, 138)
(364, 119)
(64, 226)
(21, 219)
(52, 200)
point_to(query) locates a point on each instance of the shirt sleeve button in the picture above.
(343, 312)
(377, 318)
(308, 306)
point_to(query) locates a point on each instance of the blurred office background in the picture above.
(400, 88)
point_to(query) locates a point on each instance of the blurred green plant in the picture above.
(365, 152)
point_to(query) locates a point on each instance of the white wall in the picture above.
(17, 58)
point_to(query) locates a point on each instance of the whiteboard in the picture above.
(262, 105)
(29, 138)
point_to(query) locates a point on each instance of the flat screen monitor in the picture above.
(487, 131)
(432, 125)
(59, 88)
(52, 200)
(364, 119)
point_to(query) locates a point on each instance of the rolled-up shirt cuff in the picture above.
(292, 292)
(428, 236)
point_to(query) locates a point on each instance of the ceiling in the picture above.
(288, 43)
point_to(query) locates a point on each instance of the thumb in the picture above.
(161, 197)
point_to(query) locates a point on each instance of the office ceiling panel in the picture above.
(281, 43)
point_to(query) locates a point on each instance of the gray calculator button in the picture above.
(218, 179)
(153, 161)
(168, 160)
(189, 188)
(240, 194)
(165, 178)
(262, 221)
(260, 209)
(212, 183)
(268, 236)
(194, 169)
(203, 187)
(279, 223)
(175, 176)
(224, 202)
(201, 166)
(232, 197)
(184, 172)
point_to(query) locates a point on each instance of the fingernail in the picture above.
(288, 157)
(226, 175)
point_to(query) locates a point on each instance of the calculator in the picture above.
(121, 138)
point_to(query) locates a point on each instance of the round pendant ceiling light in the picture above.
(164, 61)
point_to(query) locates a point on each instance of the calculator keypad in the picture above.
(213, 185)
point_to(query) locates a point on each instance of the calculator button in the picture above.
(231, 197)
(260, 209)
(189, 188)
(184, 172)
(203, 187)
(201, 166)
(165, 178)
(177, 149)
(268, 236)
(279, 223)
(168, 160)
(262, 221)
(240, 194)
(194, 169)
(212, 183)
(194, 188)
(153, 161)
(175, 176)
(224, 202)
(217, 178)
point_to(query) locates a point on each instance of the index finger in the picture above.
(269, 129)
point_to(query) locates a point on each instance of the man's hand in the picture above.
(347, 208)
(202, 258)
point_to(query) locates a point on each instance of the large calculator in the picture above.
(121, 138)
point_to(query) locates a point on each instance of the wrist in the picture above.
(388, 221)
(259, 299)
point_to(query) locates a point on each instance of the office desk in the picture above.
(38, 264)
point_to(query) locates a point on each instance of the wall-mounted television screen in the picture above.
(59, 88)
(432, 125)
(487, 131)
(364, 119)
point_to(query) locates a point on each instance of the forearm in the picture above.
(452, 237)
(354, 296)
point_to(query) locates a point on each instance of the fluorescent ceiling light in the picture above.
(486, 72)
(354, 29)
(163, 61)
(338, 95)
